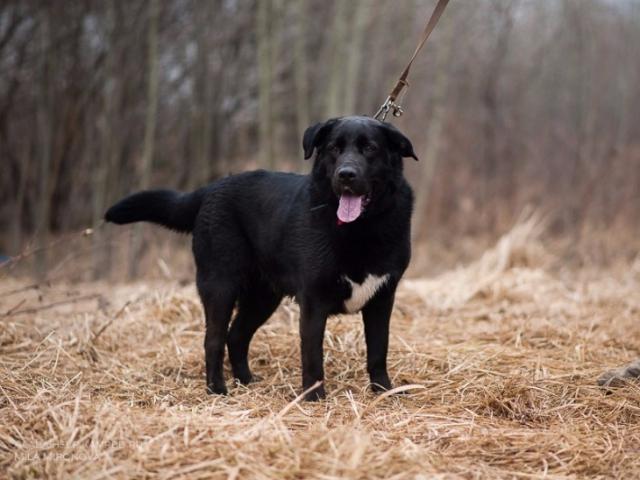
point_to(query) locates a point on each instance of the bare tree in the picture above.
(435, 129)
(150, 126)
(303, 117)
(355, 46)
(265, 73)
(336, 45)
(203, 96)
(45, 127)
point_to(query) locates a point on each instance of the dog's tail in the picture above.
(170, 209)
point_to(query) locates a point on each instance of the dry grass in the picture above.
(503, 355)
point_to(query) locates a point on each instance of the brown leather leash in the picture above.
(402, 83)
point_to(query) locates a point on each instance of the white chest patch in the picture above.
(361, 293)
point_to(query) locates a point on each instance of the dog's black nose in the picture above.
(347, 174)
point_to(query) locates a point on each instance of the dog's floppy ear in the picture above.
(398, 141)
(315, 135)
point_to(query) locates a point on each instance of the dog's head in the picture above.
(360, 158)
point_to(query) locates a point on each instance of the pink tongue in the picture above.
(350, 207)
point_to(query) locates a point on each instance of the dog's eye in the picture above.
(333, 149)
(370, 148)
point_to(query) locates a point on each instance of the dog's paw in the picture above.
(620, 376)
(315, 395)
(247, 379)
(381, 384)
(213, 389)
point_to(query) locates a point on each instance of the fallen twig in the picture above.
(50, 305)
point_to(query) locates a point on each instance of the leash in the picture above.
(402, 83)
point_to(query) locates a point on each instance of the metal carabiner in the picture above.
(383, 110)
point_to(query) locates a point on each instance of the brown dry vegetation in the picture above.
(501, 357)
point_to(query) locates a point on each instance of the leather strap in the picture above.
(402, 82)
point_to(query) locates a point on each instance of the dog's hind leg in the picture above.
(255, 306)
(218, 299)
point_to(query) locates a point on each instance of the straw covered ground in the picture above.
(498, 360)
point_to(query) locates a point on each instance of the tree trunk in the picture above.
(150, 128)
(45, 126)
(265, 68)
(492, 121)
(16, 225)
(300, 71)
(338, 36)
(360, 21)
(203, 99)
(434, 134)
(109, 144)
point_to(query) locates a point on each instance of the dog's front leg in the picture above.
(376, 315)
(313, 320)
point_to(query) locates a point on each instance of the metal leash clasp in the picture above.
(388, 105)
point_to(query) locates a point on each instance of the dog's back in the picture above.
(252, 197)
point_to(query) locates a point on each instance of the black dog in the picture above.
(337, 240)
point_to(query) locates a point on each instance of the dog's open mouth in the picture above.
(351, 206)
